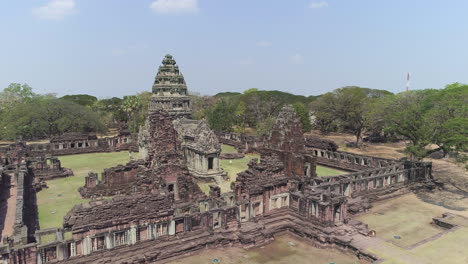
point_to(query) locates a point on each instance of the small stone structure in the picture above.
(48, 168)
(200, 145)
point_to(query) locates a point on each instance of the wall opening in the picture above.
(210, 163)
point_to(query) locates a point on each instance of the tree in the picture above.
(428, 117)
(323, 113)
(14, 94)
(240, 116)
(221, 117)
(81, 99)
(46, 116)
(132, 105)
(111, 111)
(303, 113)
(348, 105)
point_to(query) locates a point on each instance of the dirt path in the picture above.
(8, 224)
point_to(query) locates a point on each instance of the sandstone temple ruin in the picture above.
(200, 145)
(157, 212)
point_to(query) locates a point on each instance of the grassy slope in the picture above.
(62, 194)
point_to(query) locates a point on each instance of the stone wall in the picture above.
(188, 240)
(48, 168)
(348, 161)
(71, 145)
(20, 247)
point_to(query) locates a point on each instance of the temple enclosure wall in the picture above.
(20, 247)
(71, 144)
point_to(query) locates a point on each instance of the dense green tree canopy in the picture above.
(44, 117)
(81, 99)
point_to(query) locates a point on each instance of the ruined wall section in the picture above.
(73, 143)
(48, 168)
(165, 168)
(119, 211)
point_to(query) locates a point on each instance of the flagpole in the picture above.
(408, 75)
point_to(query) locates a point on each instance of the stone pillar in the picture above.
(109, 238)
(72, 252)
(39, 258)
(61, 253)
(172, 228)
(149, 232)
(132, 235)
(86, 246)
(204, 163)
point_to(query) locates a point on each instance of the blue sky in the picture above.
(113, 47)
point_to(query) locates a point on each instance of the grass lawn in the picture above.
(323, 171)
(62, 194)
(228, 149)
(285, 249)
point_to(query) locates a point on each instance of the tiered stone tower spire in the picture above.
(170, 91)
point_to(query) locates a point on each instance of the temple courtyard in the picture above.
(54, 202)
(285, 249)
(62, 194)
(405, 234)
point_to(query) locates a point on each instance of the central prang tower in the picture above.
(170, 91)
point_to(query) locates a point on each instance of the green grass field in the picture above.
(62, 194)
(323, 171)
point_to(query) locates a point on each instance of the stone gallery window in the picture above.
(179, 225)
(120, 238)
(98, 243)
(216, 220)
(256, 209)
(138, 237)
(210, 163)
(161, 229)
(284, 201)
(170, 187)
(49, 254)
(72, 249)
(243, 212)
(273, 202)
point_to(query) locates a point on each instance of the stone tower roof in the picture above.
(170, 90)
(169, 80)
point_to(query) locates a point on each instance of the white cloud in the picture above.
(55, 9)
(263, 43)
(296, 59)
(247, 61)
(174, 6)
(318, 4)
